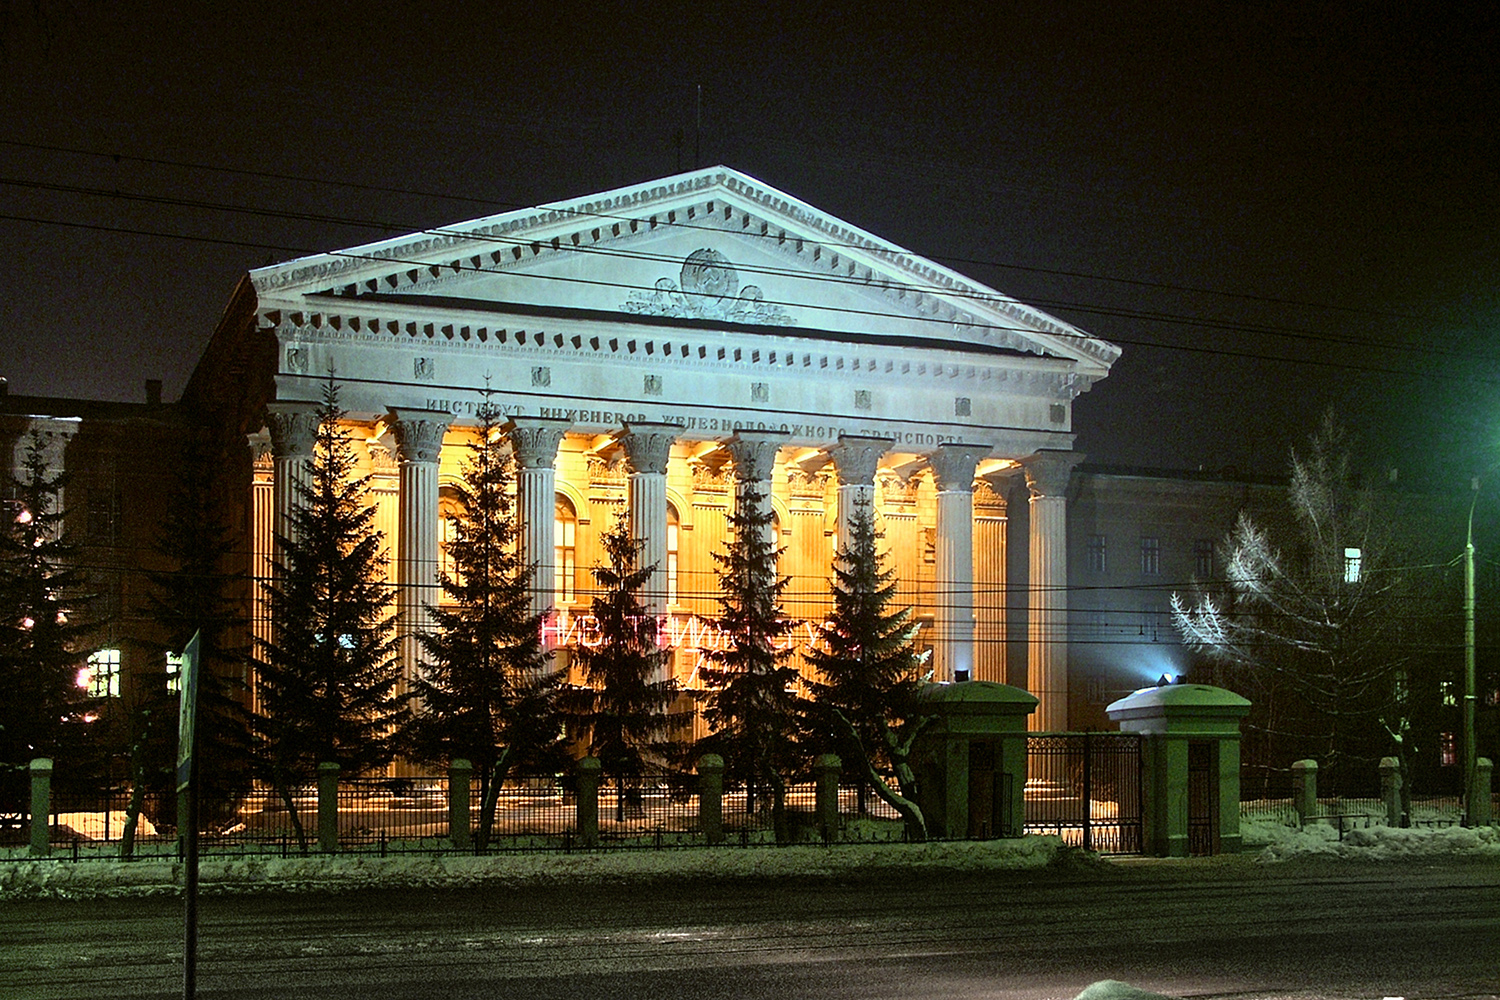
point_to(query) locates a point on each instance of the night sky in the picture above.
(1273, 208)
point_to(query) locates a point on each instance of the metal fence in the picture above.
(1347, 813)
(1087, 789)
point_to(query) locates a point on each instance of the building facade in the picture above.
(656, 350)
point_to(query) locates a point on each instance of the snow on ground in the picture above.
(102, 875)
(1277, 842)
(105, 876)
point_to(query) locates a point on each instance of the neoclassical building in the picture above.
(655, 349)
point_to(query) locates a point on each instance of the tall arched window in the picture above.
(671, 554)
(448, 510)
(564, 550)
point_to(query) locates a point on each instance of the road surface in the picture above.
(1226, 927)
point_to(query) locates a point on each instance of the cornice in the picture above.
(758, 354)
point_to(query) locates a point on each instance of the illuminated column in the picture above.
(953, 621)
(647, 448)
(262, 540)
(535, 440)
(419, 439)
(855, 459)
(1047, 475)
(754, 454)
(989, 582)
(294, 427)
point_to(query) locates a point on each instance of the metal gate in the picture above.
(1086, 788)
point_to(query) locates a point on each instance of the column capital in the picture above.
(754, 454)
(953, 466)
(419, 433)
(535, 440)
(648, 445)
(855, 458)
(293, 426)
(1048, 471)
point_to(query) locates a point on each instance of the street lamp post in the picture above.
(1469, 696)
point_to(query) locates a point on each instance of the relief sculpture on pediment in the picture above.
(708, 287)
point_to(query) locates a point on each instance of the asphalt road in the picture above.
(1222, 927)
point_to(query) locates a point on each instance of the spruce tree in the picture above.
(327, 678)
(193, 594)
(42, 637)
(752, 702)
(623, 712)
(488, 689)
(869, 672)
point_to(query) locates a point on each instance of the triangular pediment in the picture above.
(712, 248)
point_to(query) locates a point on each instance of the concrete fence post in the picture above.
(328, 807)
(589, 769)
(460, 774)
(1482, 809)
(41, 805)
(1390, 790)
(1305, 789)
(711, 797)
(826, 770)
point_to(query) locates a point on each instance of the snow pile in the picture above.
(107, 877)
(1374, 843)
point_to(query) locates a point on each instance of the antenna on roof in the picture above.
(698, 131)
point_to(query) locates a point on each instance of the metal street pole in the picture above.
(1468, 717)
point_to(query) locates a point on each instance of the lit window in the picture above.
(1447, 750)
(1351, 565)
(174, 673)
(1097, 554)
(1150, 556)
(1203, 558)
(671, 554)
(101, 678)
(448, 508)
(1450, 696)
(564, 551)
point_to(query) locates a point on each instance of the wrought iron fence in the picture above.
(1086, 788)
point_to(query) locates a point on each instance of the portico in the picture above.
(658, 350)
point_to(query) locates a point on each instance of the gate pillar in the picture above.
(1190, 767)
(971, 759)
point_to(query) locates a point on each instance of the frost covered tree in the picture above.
(1314, 621)
(623, 712)
(43, 635)
(869, 672)
(488, 690)
(327, 677)
(753, 706)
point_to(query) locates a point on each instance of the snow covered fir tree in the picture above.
(487, 691)
(752, 704)
(869, 673)
(44, 711)
(622, 712)
(327, 678)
